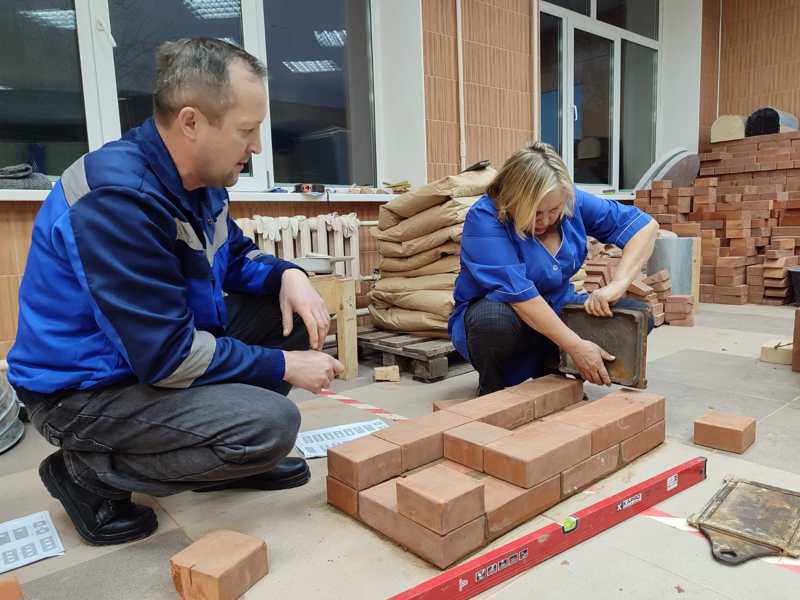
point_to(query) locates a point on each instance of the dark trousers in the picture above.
(497, 339)
(132, 437)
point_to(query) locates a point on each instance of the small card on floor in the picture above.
(27, 540)
(315, 443)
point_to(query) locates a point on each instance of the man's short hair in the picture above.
(194, 72)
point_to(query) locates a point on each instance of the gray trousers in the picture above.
(132, 437)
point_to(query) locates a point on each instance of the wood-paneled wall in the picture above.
(499, 54)
(759, 57)
(16, 226)
(709, 70)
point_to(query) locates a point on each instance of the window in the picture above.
(581, 6)
(598, 88)
(43, 119)
(319, 63)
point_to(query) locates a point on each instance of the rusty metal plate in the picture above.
(624, 335)
(746, 519)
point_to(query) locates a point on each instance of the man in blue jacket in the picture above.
(156, 343)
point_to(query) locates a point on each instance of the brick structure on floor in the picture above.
(508, 457)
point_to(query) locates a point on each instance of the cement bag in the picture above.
(471, 183)
(399, 319)
(421, 244)
(445, 281)
(437, 302)
(419, 260)
(451, 212)
(448, 264)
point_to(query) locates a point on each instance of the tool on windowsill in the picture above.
(309, 188)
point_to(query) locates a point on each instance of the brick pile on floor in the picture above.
(446, 484)
(745, 207)
(419, 242)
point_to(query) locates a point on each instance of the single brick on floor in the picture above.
(365, 462)
(440, 499)
(421, 439)
(537, 452)
(733, 433)
(550, 393)
(643, 442)
(465, 444)
(610, 420)
(502, 409)
(221, 565)
(377, 507)
(342, 496)
(590, 470)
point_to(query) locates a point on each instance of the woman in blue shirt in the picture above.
(522, 242)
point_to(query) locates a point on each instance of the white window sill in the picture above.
(23, 195)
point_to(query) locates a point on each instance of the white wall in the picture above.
(399, 84)
(679, 75)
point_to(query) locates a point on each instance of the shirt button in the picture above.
(555, 267)
(210, 221)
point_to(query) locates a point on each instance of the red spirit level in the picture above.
(486, 571)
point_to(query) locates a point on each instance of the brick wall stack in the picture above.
(445, 484)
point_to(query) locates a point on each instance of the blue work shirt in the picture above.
(498, 265)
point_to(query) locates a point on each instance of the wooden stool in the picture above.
(339, 294)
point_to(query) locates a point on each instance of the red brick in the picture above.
(221, 565)
(654, 404)
(643, 442)
(679, 299)
(677, 310)
(658, 277)
(537, 452)
(724, 431)
(377, 507)
(508, 505)
(550, 393)
(440, 499)
(9, 588)
(421, 439)
(342, 496)
(688, 322)
(365, 462)
(465, 444)
(504, 409)
(590, 470)
(443, 404)
(610, 420)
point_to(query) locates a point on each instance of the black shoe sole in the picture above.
(252, 483)
(51, 482)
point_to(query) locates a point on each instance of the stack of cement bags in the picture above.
(419, 240)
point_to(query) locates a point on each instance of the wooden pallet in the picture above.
(428, 359)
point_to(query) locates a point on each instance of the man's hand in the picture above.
(600, 301)
(299, 296)
(310, 370)
(588, 358)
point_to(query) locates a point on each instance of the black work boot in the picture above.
(100, 521)
(290, 473)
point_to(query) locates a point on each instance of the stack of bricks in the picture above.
(639, 290)
(678, 310)
(446, 484)
(600, 264)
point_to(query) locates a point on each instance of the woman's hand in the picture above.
(600, 301)
(588, 358)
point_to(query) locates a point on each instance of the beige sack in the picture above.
(445, 281)
(421, 244)
(419, 260)
(448, 264)
(399, 319)
(437, 302)
(451, 212)
(472, 183)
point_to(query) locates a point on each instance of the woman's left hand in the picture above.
(600, 301)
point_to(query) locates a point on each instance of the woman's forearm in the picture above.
(538, 315)
(635, 254)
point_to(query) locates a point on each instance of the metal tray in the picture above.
(624, 335)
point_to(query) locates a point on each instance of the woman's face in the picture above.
(549, 211)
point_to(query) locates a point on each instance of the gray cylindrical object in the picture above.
(11, 428)
(674, 255)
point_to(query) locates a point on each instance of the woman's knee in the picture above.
(492, 320)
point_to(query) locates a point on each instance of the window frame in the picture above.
(572, 20)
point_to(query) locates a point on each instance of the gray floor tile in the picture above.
(778, 440)
(778, 326)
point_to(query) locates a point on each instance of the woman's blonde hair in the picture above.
(526, 177)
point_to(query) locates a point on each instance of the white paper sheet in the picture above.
(28, 539)
(314, 444)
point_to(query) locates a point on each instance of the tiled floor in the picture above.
(317, 552)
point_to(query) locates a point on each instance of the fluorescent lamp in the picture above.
(331, 39)
(5, 88)
(311, 66)
(214, 9)
(51, 17)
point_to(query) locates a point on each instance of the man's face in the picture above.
(223, 149)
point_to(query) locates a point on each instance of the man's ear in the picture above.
(188, 121)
